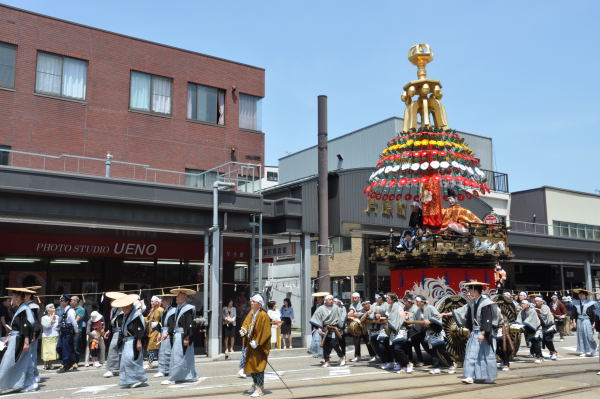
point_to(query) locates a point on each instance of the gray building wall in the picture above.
(361, 149)
(524, 204)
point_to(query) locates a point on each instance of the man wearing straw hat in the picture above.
(181, 366)
(581, 317)
(67, 330)
(37, 329)
(481, 316)
(167, 322)
(15, 368)
(116, 322)
(131, 368)
(256, 337)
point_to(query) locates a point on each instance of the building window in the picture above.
(576, 230)
(8, 57)
(341, 244)
(200, 178)
(250, 112)
(206, 104)
(150, 93)
(240, 272)
(61, 76)
(4, 155)
(272, 176)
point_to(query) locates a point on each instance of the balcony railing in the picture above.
(246, 176)
(496, 180)
(560, 229)
(528, 227)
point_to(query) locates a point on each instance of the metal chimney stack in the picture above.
(324, 280)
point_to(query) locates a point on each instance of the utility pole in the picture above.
(323, 250)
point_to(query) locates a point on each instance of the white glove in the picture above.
(253, 344)
(153, 324)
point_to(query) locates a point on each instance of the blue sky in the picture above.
(522, 72)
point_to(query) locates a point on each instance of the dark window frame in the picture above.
(196, 86)
(5, 156)
(149, 110)
(14, 72)
(62, 67)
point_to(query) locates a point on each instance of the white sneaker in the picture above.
(397, 367)
(146, 366)
(435, 371)
(257, 393)
(136, 384)
(325, 364)
(598, 373)
(591, 354)
(505, 368)
(342, 362)
(97, 364)
(451, 371)
(373, 359)
(37, 379)
(108, 374)
(32, 387)
(537, 361)
(250, 390)
(387, 366)
(467, 380)
(582, 355)
(158, 375)
(167, 382)
(409, 368)
(354, 359)
(401, 371)
(553, 356)
(241, 373)
(562, 340)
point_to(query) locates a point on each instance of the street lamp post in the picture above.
(214, 343)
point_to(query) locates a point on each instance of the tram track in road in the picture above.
(361, 379)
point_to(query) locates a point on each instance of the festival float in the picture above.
(430, 166)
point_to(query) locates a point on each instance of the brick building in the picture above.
(67, 88)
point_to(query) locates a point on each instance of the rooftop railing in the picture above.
(246, 176)
(496, 180)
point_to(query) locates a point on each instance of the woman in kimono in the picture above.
(582, 317)
(530, 322)
(256, 338)
(152, 319)
(547, 323)
(131, 369)
(328, 319)
(181, 366)
(116, 322)
(434, 340)
(15, 368)
(481, 317)
(398, 335)
(167, 322)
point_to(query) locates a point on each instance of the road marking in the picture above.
(95, 389)
(116, 395)
(339, 371)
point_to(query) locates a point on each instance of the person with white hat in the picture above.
(256, 337)
(49, 336)
(481, 316)
(113, 358)
(131, 367)
(181, 366)
(354, 312)
(328, 319)
(530, 323)
(95, 325)
(16, 363)
(167, 322)
(152, 319)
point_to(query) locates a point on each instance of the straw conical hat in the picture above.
(319, 294)
(114, 295)
(124, 301)
(17, 289)
(186, 291)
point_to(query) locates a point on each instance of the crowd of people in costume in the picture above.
(395, 330)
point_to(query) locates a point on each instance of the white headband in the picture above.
(525, 302)
(329, 297)
(155, 299)
(538, 298)
(258, 299)
(356, 294)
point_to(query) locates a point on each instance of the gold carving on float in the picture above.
(427, 105)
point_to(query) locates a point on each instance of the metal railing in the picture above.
(496, 180)
(246, 176)
(529, 227)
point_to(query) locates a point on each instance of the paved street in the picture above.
(569, 377)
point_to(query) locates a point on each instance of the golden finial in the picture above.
(420, 55)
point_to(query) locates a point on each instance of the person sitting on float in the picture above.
(456, 217)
